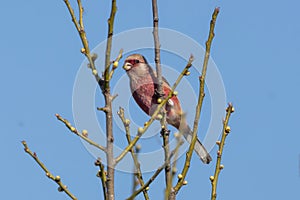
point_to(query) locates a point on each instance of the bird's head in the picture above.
(133, 61)
(136, 65)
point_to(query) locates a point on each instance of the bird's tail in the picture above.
(199, 148)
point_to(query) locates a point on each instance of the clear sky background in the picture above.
(256, 49)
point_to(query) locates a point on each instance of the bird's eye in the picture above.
(133, 61)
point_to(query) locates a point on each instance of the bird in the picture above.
(143, 86)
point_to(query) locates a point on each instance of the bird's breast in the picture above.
(144, 97)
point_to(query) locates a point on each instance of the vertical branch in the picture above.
(109, 44)
(108, 106)
(160, 93)
(181, 181)
(219, 167)
(168, 176)
(104, 85)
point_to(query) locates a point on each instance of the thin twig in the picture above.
(80, 13)
(168, 176)
(85, 50)
(116, 63)
(199, 104)
(110, 22)
(56, 179)
(146, 185)
(138, 174)
(179, 142)
(160, 92)
(83, 135)
(142, 130)
(219, 167)
(102, 175)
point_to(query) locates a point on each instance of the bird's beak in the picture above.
(127, 66)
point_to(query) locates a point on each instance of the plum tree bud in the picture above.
(57, 178)
(85, 133)
(115, 64)
(187, 73)
(140, 130)
(82, 50)
(227, 129)
(95, 72)
(138, 147)
(179, 176)
(232, 109)
(127, 122)
(159, 116)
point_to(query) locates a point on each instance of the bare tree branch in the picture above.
(80, 29)
(104, 84)
(108, 106)
(83, 135)
(160, 92)
(102, 175)
(219, 167)
(181, 181)
(168, 175)
(110, 22)
(107, 175)
(153, 177)
(56, 179)
(138, 174)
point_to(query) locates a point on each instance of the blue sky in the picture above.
(256, 49)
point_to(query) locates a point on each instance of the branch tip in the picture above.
(56, 179)
(221, 143)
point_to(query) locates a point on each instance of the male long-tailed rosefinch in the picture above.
(143, 84)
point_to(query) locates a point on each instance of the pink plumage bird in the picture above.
(143, 84)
